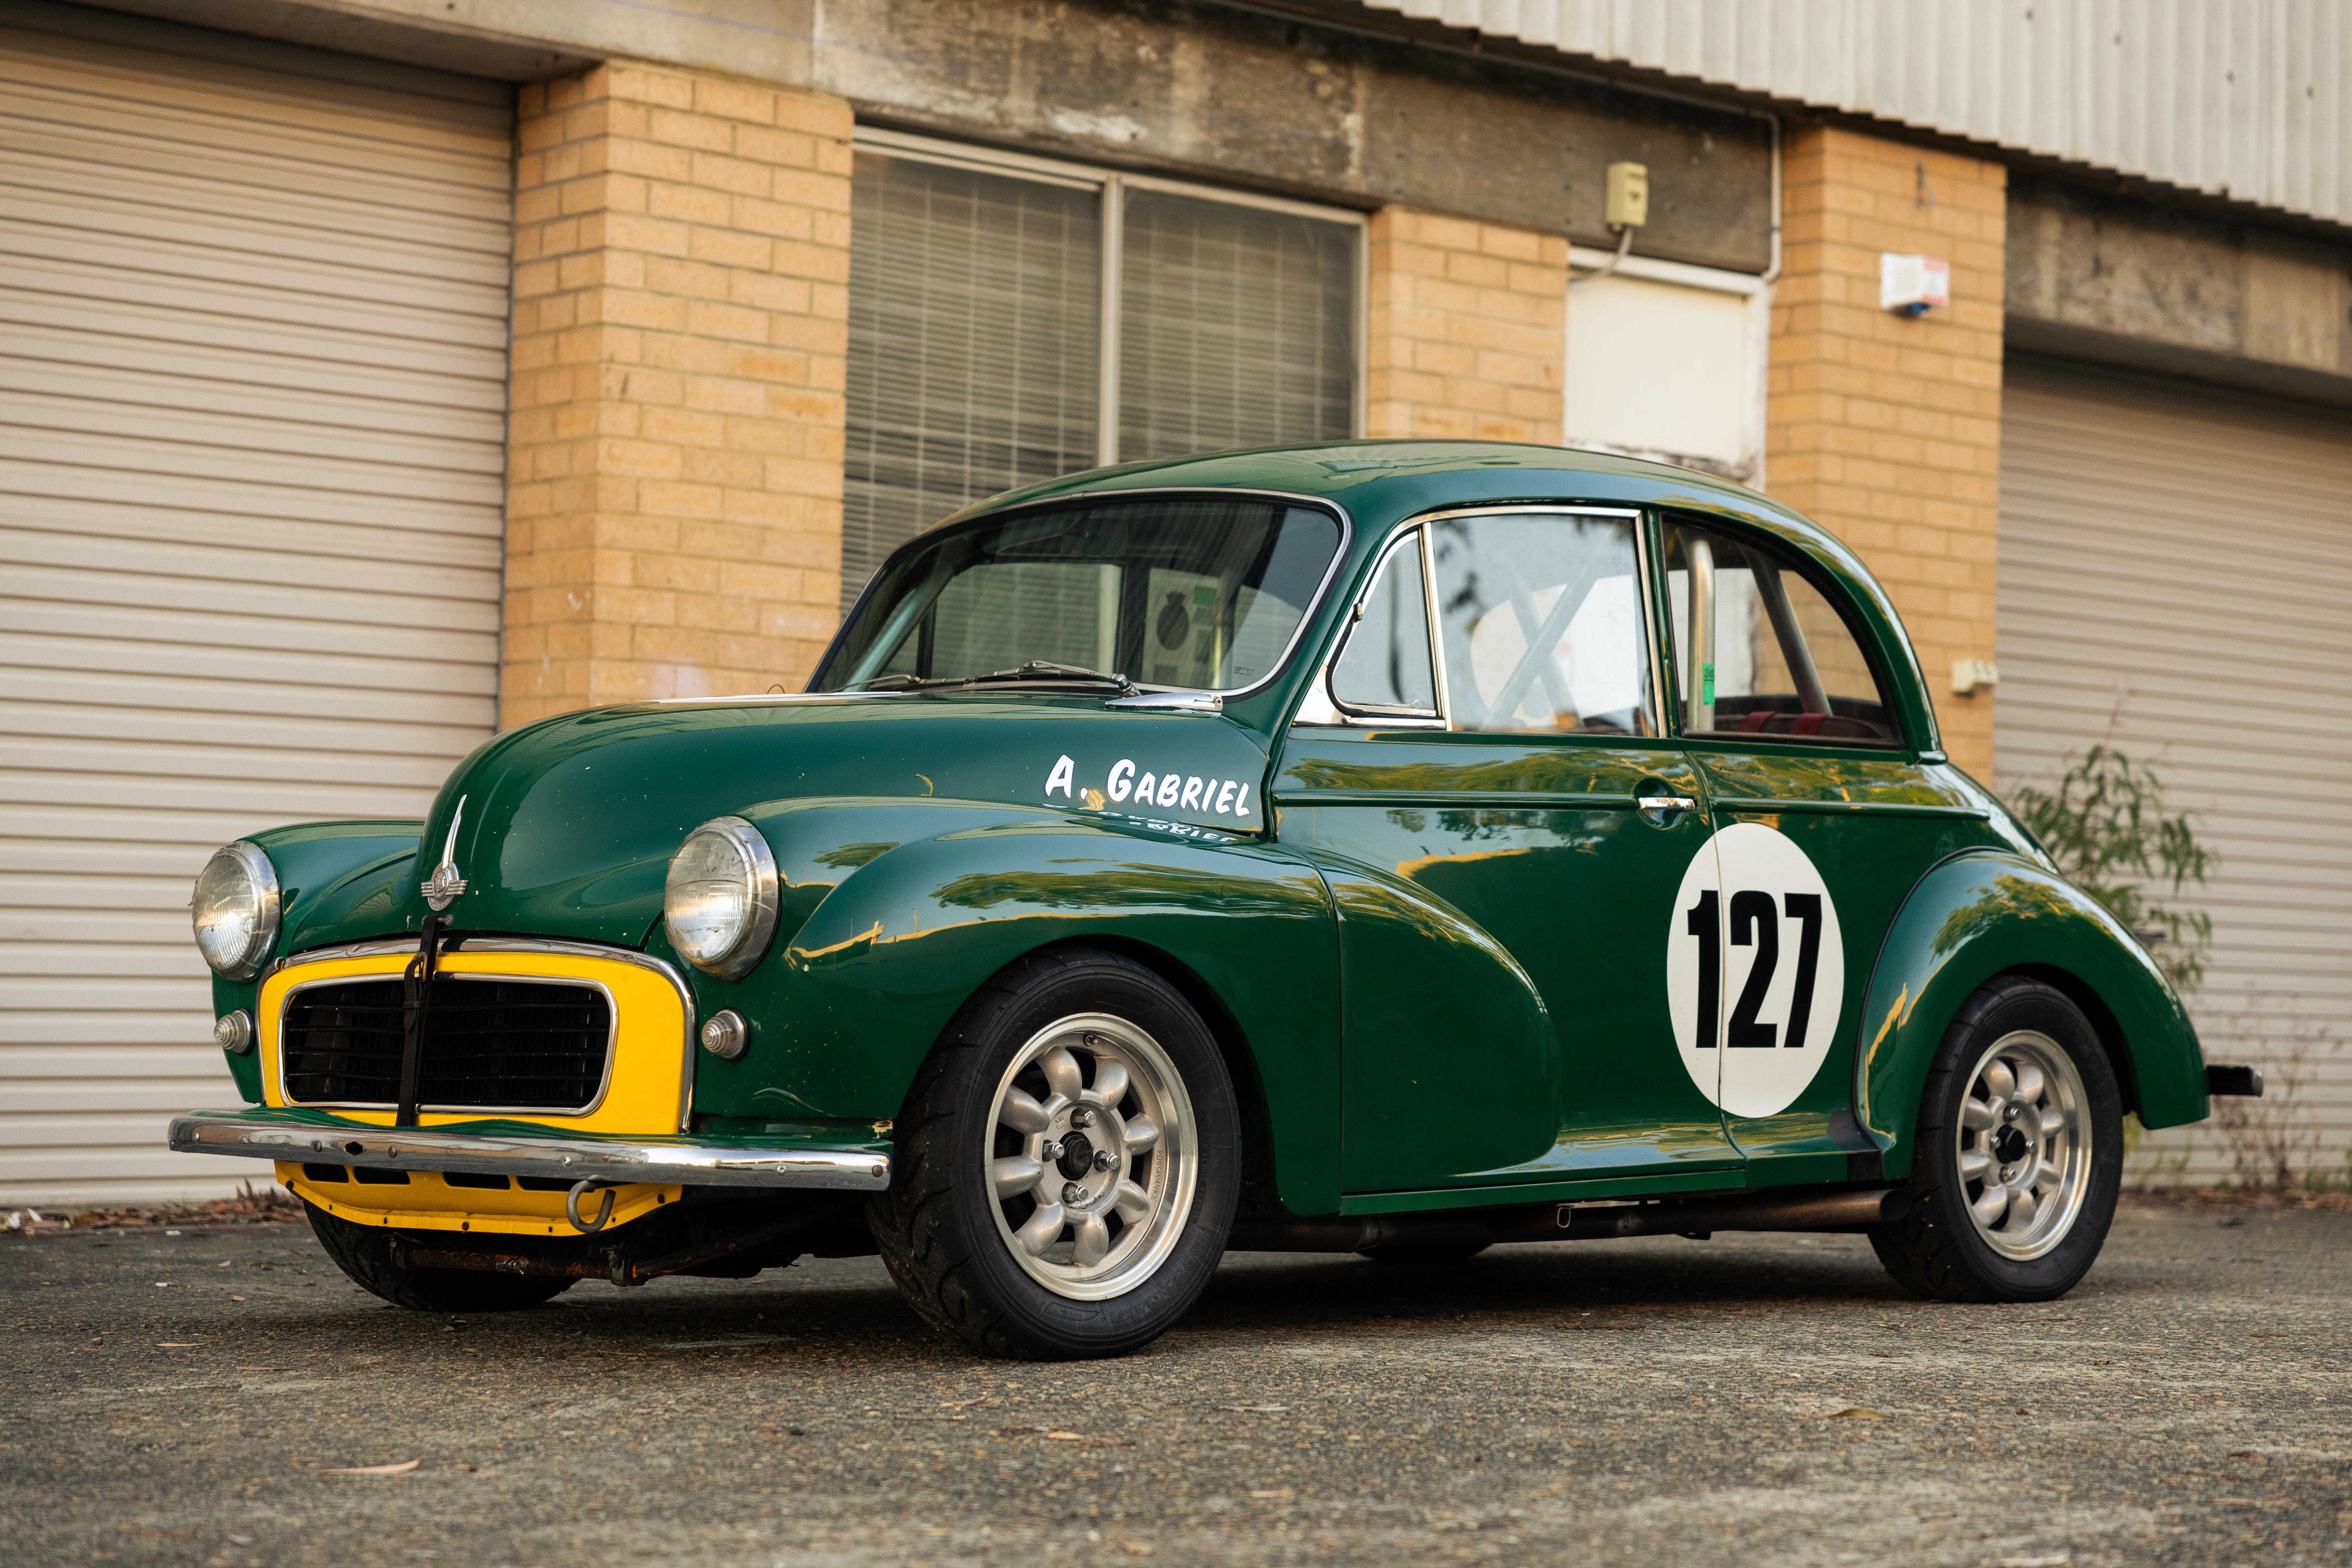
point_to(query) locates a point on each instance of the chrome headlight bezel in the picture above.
(746, 940)
(261, 878)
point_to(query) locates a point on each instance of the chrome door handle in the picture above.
(1665, 803)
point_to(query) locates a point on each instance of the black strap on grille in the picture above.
(416, 1002)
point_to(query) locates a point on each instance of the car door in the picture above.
(1826, 814)
(1504, 823)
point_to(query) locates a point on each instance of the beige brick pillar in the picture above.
(1467, 335)
(675, 448)
(1886, 428)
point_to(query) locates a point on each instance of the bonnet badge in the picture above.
(441, 888)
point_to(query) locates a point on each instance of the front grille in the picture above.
(489, 1044)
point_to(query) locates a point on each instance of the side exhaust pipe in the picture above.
(1816, 1211)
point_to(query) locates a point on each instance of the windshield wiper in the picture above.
(1035, 670)
(1047, 670)
(904, 683)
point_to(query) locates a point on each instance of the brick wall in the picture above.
(1466, 327)
(1887, 428)
(681, 308)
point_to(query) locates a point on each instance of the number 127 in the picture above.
(1754, 922)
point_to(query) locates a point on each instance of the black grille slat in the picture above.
(488, 1044)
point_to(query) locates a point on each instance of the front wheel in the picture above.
(2018, 1156)
(1067, 1165)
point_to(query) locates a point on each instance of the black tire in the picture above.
(364, 1254)
(1937, 1250)
(938, 1227)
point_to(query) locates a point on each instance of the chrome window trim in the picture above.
(1171, 492)
(1649, 542)
(1438, 667)
(1361, 716)
(1634, 515)
(384, 947)
(603, 1084)
(575, 1157)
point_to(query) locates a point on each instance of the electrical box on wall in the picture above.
(1910, 285)
(1970, 675)
(1627, 199)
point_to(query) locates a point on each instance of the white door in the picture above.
(253, 359)
(2176, 578)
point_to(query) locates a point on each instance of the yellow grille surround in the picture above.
(648, 1090)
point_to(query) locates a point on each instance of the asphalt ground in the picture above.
(182, 1398)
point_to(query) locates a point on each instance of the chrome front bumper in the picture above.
(320, 1140)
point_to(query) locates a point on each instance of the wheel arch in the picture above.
(2104, 1022)
(1985, 914)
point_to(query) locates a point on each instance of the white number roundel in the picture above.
(1755, 970)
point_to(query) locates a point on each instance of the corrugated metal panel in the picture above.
(2244, 99)
(253, 341)
(2175, 573)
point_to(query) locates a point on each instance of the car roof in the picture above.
(1382, 483)
(1337, 469)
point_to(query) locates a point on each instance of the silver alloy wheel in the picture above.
(1092, 1156)
(2023, 1144)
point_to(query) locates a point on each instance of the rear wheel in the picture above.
(1067, 1165)
(365, 1253)
(2019, 1155)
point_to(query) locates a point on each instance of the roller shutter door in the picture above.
(253, 313)
(2175, 573)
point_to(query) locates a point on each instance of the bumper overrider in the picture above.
(520, 1149)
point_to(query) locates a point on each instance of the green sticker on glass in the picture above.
(1706, 684)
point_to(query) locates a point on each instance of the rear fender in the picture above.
(1989, 913)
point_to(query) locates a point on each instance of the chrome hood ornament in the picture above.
(441, 889)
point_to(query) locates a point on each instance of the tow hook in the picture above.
(571, 1207)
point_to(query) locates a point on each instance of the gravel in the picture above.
(1759, 1400)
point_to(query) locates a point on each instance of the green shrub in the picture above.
(2106, 826)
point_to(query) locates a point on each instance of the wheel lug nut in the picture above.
(1050, 1151)
(1105, 1160)
(1072, 1194)
(1082, 1116)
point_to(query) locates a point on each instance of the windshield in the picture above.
(1199, 594)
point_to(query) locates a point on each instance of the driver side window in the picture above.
(1540, 619)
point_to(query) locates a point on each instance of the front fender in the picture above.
(897, 912)
(1988, 912)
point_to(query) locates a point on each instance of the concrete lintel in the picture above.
(2058, 341)
(1199, 89)
(1191, 88)
(2115, 278)
(525, 40)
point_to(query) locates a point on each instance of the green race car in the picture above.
(1389, 847)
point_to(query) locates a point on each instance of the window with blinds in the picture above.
(1235, 326)
(974, 325)
(1010, 324)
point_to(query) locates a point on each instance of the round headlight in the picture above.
(720, 903)
(235, 911)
